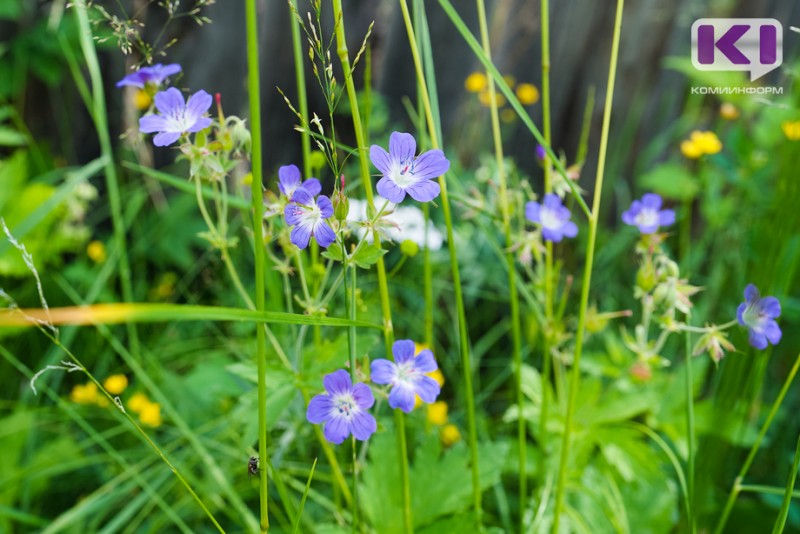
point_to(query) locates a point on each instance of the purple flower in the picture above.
(647, 214)
(343, 409)
(541, 153)
(289, 181)
(758, 315)
(553, 217)
(177, 116)
(403, 173)
(155, 75)
(407, 375)
(308, 215)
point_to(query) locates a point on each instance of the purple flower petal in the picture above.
(169, 102)
(431, 164)
(428, 389)
(403, 350)
(200, 124)
(313, 187)
(771, 307)
(758, 340)
(772, 332)
(652, 201)
(666, 217)
(337, 382)
(336, 430)
(570, 229)
(152, 123)
(293, 214)
(324, 234)
(302, 197)
(363, 396)
(424, 362)
(166, 138)
(532, 210)
(402, 396)
(325, 206)
(300, 236)
(319, 409)
(552, 201)
(381, 159)
(390, 190)
(402, 146)
(424, 191)
(740, 313)
(383, 371)
(363, 425)
(751, 293)
(288, 179)
(198, 104)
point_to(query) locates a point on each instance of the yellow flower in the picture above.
(486, 99)
(475, 82)
(96, 251)
(141, 99)
(449, 435)
(707, 142)
(728, 111)
(437, 413)
(101, 401)
(791, 129)
(138, 402)
(527, 93)
(508, 115)
(690, 149)
(84, 393)
(151, 414)
(116, 384)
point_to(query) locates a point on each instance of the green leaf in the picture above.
(333, 252)
(368, 255)
(671, 181)
(11, 137)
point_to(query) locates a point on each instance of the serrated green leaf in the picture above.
(671, 181)
(368, 255)
(333, 252)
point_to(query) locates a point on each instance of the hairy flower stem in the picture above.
(254, 89)
(513, 297)
(587, 273)
(737, 483)
(451, 245)
(100, 119)
(383, 286)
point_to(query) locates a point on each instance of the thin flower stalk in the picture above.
(383, 286)
(587, 273)
(513, 297)
(253, 84)
(462, 318)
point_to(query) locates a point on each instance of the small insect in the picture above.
(252, 466)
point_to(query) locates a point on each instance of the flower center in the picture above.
(403, 174)
(550, 219)
(647, 217)
(753, 316)
(345, 405)
(406, 372)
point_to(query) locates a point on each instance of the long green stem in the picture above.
(513, 297)
(548, 258)
(98, 112)
(350, 300)
(737, 483)
(780, 523)
(383, 286)
(254, 88)
(690, 433)
(587, 273)
(451, 245)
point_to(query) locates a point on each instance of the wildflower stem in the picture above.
(587, 273)
(513, 297)
(780, 523)
(383, 286)
(451, 245)
(548, 258)
(691, 442)
(350, 302)
(100, 119)
(737, 487)
(253, 85)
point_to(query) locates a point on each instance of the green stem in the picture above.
(587, 273)
(451, 245)
(690, 433)
(98, 112)
(780, 523)
(350, 300)
(513, 297)
(736, 488)
(254, 88)
(383, 286)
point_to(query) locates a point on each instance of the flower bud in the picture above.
(409, 248)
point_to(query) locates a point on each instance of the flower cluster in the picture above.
(149, 412)
(701, 143)
(553, 217)
(343, 408)
(647, 215)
